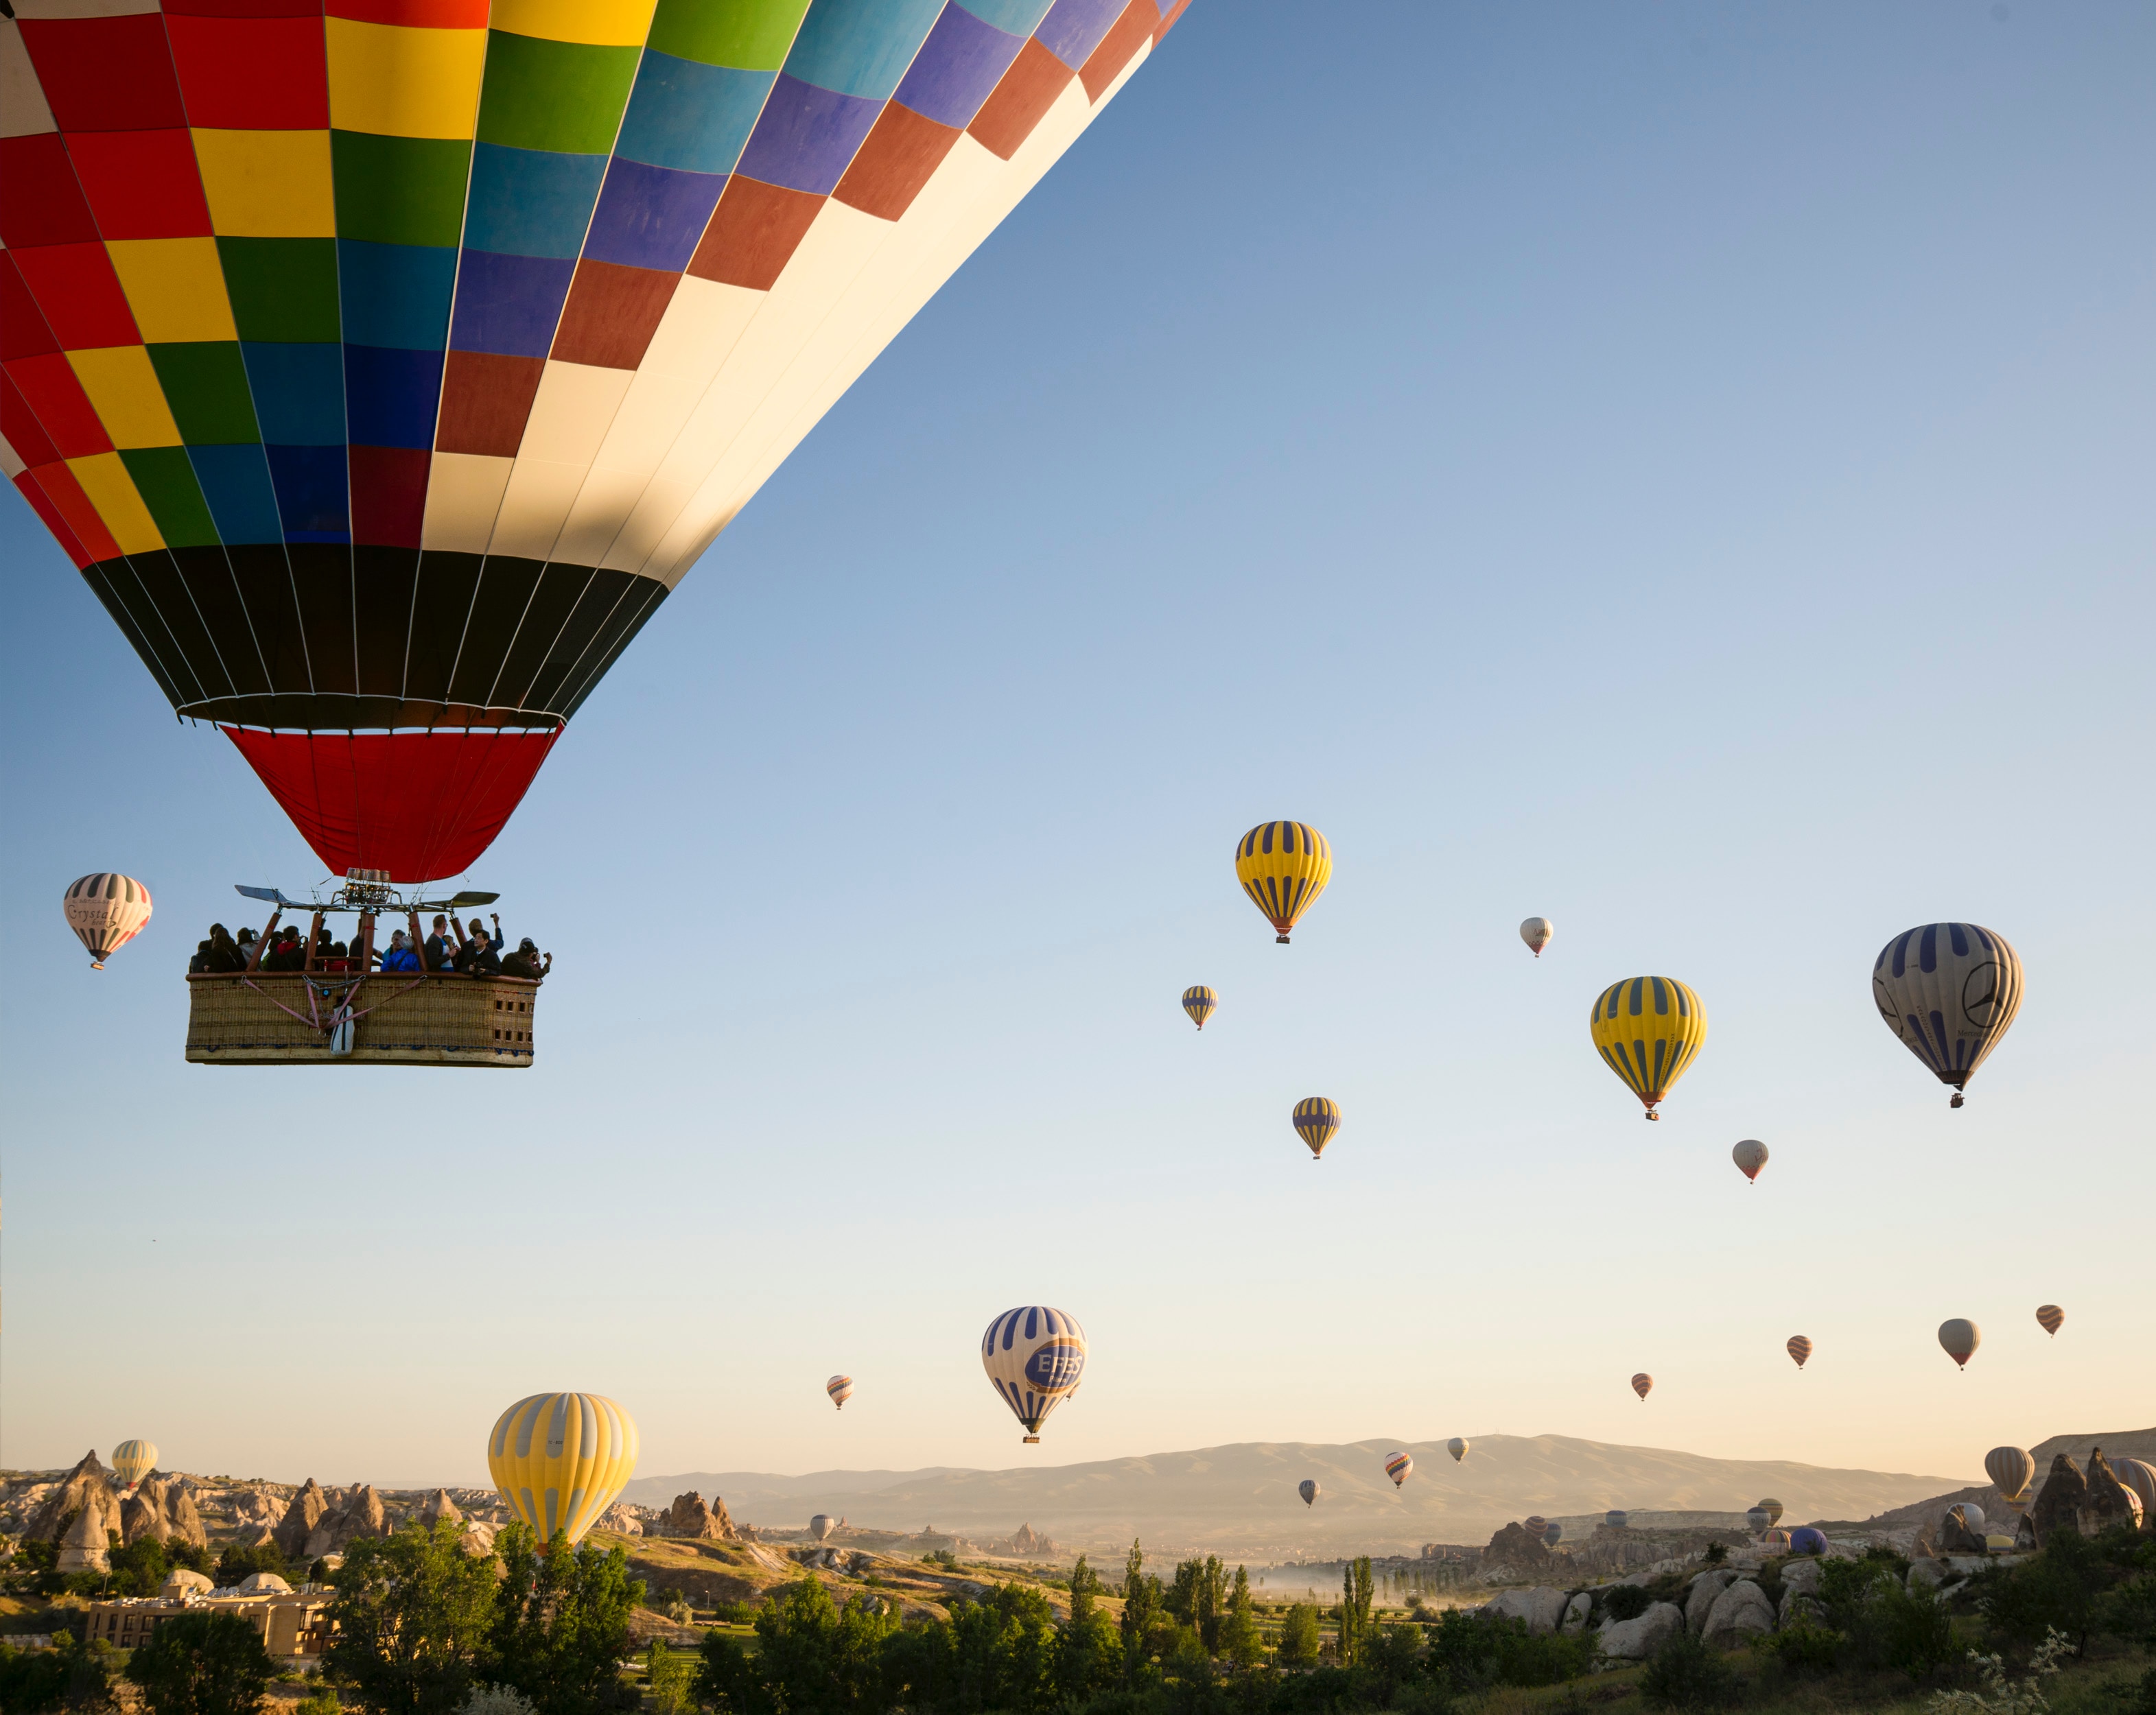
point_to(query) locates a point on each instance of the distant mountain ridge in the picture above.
(1242, 1496)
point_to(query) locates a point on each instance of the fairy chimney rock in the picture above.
(307, 1510)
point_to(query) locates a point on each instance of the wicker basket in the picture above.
(284, 1018)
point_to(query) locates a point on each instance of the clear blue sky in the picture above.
(1682, 470)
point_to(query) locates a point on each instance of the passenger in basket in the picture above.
(245, 944)
(290, 954)
(199, 964)
(225, 953)
(399, 957)
(525, 961)
(441, 954)
(479, 957)
(339, 959)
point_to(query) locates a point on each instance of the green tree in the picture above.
(561, 1623)
(669, 1676)
(1300, 1642)
(202, 1664)
(138, 1569)
(1143, 1606)
(811, 1658)
(411, 1615)
(236, 1563)
(1355, 1599)
(1089, 1653)
(1239, 1639)
(72, 1675)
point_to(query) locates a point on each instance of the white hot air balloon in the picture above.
(840, 1388)
(1457, 1448)
(105, 911)
(1948, 991)
(2012, 1470)
(1750, 1155)
(1536, 932)
(1959, 1337)
(132, 1461)
(821, 1526)
(1034, 1357)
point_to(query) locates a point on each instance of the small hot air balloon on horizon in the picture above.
(1648, 1030)
(1552, 1534)
(821, 1526)
(1948, 991)
(1756, 1521)
(1959, 1337)
(1617, 1518)
(1308, 1489)
(2052, 1318)
(106, 911)
(1283, 866)
(1200, 1002)
(560, 1460)
(1799, 1349)
(1316, 1122)
(1775, 1542)
(1773, 1508)
(1034, 1357)
(1750, 1155)
(132, 1461)
(840, 1388)
(1643, 1385)
(1458, 1448)
(2012, 1470)
(1399, 1467)
(1536, 932)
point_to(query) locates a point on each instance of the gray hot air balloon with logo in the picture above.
(1950, 991)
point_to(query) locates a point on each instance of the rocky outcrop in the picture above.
(1959, 1534)
(1635, 1640)
(691, 1517)
(622, 1520)
(1739, 1613)
(2060, 1501)
(1800, 1577)
(1799, 1609)
(1514, 1549)
(142, 1513)
(360, 1515)
(302, 1517)
(84, 1547)
(1030, 1544)
(1576, 1612)
(184, 1581)
(1541, 1607)
(1700, 1600)
(84, 1489)
(2108, 1503)
(439, 1506)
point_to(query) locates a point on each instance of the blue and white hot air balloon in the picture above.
(1034, 1357)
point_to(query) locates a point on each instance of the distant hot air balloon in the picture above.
(1308, 1489)
(1283, 866)
(1457, 1448)
(1775, 1542)
(1949, 990)
(1552, 1534)
(440, 356)
(1643, 1385)
(132, 1462)
(1399, 1467)
(2010, 1470)
(1805, 1540)
(1773, 1508)
(1750, 1155)
(1534, 1524)
(105, 911)
(822, 1525)
(1756, 1521)
(1536, 932)
(1034, 1357)
(2139, 1477)
(1201, 1003)
(1959, 1336)
(1316, 1119)
(1617, 1518)
(840, 1388)
(1799, 1349)
(2052, 1318)
(1648, 1030)
(560, 1460)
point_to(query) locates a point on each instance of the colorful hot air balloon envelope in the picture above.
(840, 1388)
(1534, 1524)
(822, 1525)
(2012, 1470)
(1283, 866)
(1805, 1540)
(1775, 1542)
(1959, 1337)
(1308, 1489)
(2139, 1477)
(1316, 1120)
(1399, 1467)
(1756, 1520)
(133, 1461)
(2052, 1318)
(1616, 1518)
(1799, 1349)
(1536, 932)
(560, 1460)
(1458, 1448)
(1201, 1003)
(388, 371)
(106, 910)
(1034, 1357)
(1648, 1030)
(1949, 990)
(1750, 1155)
(1773, 1508)
(1643, 1385)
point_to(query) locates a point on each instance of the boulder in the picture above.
(306, 1512)
(1740, 1612)
(1541, 1607)
(1958, 1534)
(2060, 1499)
(84, 1548)
(1700, 1600)
(184, 1581)
(1799, 1609)
(2108, 1501)
(264, 1584)
(1801, 1577)
(1635, 1640)
(1576, 1612)
(1928, 1574)
(439, 1506)
(84, 1490)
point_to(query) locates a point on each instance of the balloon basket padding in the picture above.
(1029, 1441)
(1280, 940)
(1956, 1103)
(403, 1019)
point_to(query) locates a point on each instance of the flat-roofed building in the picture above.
(290, 1623)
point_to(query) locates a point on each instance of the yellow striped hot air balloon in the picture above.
(132, 1461)
(1316, 1119)
(559, 1460)
(1283, 866)
(1648, 1030)
(1200, 1002)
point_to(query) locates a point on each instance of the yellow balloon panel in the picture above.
(559, 1460)
(1649, 1030)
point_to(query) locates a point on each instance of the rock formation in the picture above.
(1739, 1613)
(142, 1513)
(1028, 1544)
(183, 1581)
(1958, 1534)
(84, 1547)
(691, 1517)
(1542, 1608)
(1576, 1612)
(307, 1510)
(2060, 1499)
(1514, 1549)
(1635, 1640)
(1701, 1598)
(439, 1506)
(84, 1489)
(360, 1515)
(1800, 1577)
(2107, 1503)
(622, 1520)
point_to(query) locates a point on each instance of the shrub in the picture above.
(202, 1664)
(1685, 1674)
(1916, 1632)
(2000, 1696)
(1625, 1601)
(733, 1613)
(1527, 1658)
(490, 1700)
(1717, 1553)
(1803, 1648)
(1299, 1637)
